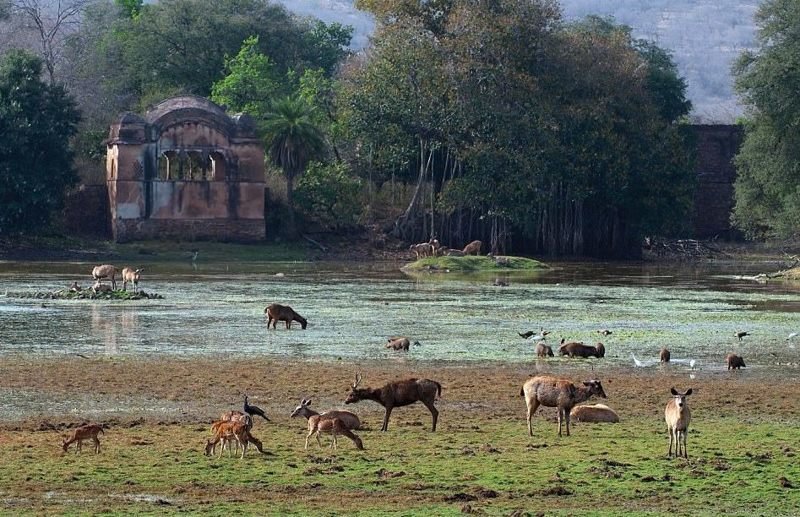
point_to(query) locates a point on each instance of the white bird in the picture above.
(793, 335)
(643, 364)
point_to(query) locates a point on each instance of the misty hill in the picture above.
(705, 36)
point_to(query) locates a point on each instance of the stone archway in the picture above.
(186, 168)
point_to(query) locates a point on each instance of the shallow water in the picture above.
(352, 308)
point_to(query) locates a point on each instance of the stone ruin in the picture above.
(186, 170)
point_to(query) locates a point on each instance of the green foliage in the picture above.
(36, 121)
(293, 140)
(329, 194)
(567, 132)
(157, 48)
(768, 163)
(473, 263)
(131, 8)
(250, 84)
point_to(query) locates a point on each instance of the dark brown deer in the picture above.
(543, 350)
(559, 393)
(398, 394)
(664, 356)
(734, 362)
(277, 312)
(578, 349)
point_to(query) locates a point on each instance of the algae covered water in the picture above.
(352, 308)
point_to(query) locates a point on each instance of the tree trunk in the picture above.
(291, 227)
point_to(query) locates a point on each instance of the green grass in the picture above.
(472, 263)
(490, 464)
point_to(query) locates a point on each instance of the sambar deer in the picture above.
(398, 394)
(277, 312)
(677, 416)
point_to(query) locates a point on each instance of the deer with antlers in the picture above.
(398, 394)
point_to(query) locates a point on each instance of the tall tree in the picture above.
(52, 23)
(293, 141)
(768, 163)
(36, 120)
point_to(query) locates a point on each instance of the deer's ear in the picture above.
(308, 402)
(673, 391)
(689, 392)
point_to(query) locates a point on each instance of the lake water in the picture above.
(352, 309)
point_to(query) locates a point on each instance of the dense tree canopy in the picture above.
(768, 164)
(36, 121)
(565, 135)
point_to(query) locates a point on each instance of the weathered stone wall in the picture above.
(187, 170)
(225, 230)
(714, 196)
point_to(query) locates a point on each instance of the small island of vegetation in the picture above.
(474, 264)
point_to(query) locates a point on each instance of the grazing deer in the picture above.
(132, 276)
(473, 248)
(332, 422)
(678, 415)
(222, 431)
(578, 349)
(277, 312)
(543, 350)
(398, 394)
(664, 356)
(105, 271)
(84, 432)
(559, 393)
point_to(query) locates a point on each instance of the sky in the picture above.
(704, 36)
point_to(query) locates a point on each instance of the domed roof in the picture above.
(189, 107)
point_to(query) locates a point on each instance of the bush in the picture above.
(328, 195)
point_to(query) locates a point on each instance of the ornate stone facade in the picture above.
(185, 170)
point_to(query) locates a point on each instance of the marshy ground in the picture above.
(742, 444)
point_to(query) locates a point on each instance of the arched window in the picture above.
(168, 166)
(219, 166)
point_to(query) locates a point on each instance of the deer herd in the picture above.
(233, 430)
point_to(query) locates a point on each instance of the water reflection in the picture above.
(112, 326)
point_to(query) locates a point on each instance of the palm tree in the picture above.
(293, 140)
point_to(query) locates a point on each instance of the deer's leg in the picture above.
(685, 452)
(533, 405)
(319, 442)
(96, 444)
(355, 439)
(309, 436)
(79, 447)
(434, 413)
(566, 417)
(255, 441)
(288, 324)
(386, 415)
(669, 451)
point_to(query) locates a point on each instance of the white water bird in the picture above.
(644, 364)
(793, 335)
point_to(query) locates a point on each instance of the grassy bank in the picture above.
(472, 464)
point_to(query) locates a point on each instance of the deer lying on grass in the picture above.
(473, 248)
(329, 422)
(678, 415)
(398, 394)
(84, 432)
(594, 413)
(132, 276)
(559, 393)
(105, 271)
(277, 312)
